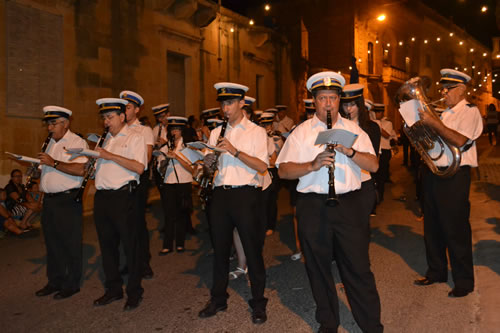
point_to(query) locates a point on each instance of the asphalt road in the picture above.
(180, 287)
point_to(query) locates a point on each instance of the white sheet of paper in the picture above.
(24, 158)
(336, 136)
(92, 137)
(82, 152)
(202, 145)
(191, 155)
(409, 111)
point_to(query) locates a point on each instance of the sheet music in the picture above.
(191, 155)
(23, 158)
(409, 111)
(336, 136)
(77, 152)
(202, 145)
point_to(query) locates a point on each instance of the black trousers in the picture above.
(270, 200)
(62, 230)
(382, 174)
(143, 237)
(447, 226)
(115, 214)
(177, 205)
(345, 228)
(238, 208)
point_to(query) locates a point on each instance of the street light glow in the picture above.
(400, 43)
(413, 39)
(232, 29)
(461, 43)
(425, 41)
(472, 50)
(251, 22)
(484, 9)
(485, 54)
(451, 34)
(267, 7)
(438, 39)
(381, 17)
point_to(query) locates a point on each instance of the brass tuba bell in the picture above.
(426, 141)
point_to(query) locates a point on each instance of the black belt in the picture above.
(51, 195)
(326, 195)
(231, 187)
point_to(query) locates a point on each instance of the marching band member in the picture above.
(342, 227)
(121, 161)
(177, 178)
(61, 213)
(135, 101)
(446, 200)
(235, 199)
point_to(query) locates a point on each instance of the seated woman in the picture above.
(6, 220)
(19, 204)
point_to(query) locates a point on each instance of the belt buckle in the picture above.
(227, 187)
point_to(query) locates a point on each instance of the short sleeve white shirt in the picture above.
(183, 175)
(53, 180)
(249, 138)
(466, 120)
(300, 148)
(126, 143)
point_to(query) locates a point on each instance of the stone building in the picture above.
(70, 53)
(410, 39)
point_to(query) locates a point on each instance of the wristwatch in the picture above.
(353, 153)
(56, 163)
(237, 153)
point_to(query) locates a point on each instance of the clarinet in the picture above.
(332, 200)
(32, 170)
(171, 147)
(207, 181)
(90, 168)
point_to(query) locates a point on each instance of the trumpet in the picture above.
(33, 172)
(332, 200)
(89, 173)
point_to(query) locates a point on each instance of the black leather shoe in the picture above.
(426, 281)
(211, 309)
(107, 298)
(459, 292)
(65, 293)
(132, 303)
(47, 290)
(259, 316)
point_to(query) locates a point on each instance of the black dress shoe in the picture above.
(132, 303)
(459, 292)
(259, 316)
(65, 293)
(107, 298)
(47, 290)
(427, 281)
(211, 309)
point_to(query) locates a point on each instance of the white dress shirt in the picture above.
(53, 180)
(248, 138)
(300, 148)
(467, 121)
(183, 175)
(163, 133)
(386, 125)
(284, 125)
(126, 143)
(146, 132)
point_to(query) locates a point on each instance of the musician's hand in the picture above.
(323, 159)
(344, 150)
(208, 160)
(428, 119)
(103, 153)
(45, 159)
(226, 145)
(171, 154)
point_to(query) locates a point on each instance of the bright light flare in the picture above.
(381, 18)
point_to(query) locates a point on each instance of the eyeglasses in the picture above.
(447, 89)
(349, 104)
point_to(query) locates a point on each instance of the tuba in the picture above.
(424, 138)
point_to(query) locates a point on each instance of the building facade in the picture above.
(70, 53)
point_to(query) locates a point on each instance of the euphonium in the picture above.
(424, 138)
(332, 200)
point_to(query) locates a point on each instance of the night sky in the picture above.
(464, 13)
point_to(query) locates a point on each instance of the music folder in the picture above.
(336, 136)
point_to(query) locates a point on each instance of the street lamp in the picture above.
(381, 17)
(267, 7)
(484, 9)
